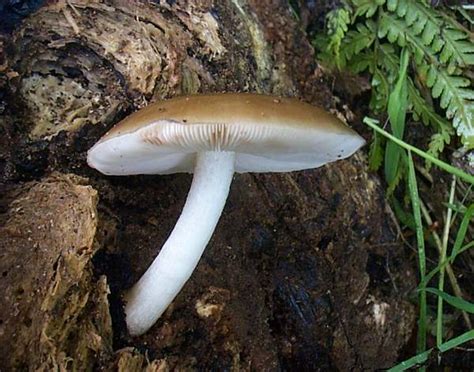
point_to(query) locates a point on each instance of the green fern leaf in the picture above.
(320, 43)
(376, 152)
(396, 31)
(435, 30)
(437, 44)
(453, 91)
(400, 173)
(337, 25)
(366, 8)
(392, 5)
(439, 141)
(441, 49)
(363, 62)
(456, 99)
(389, 59)
(436, 145)
(391, 28)
(358, 40)
(384, 74)
(380, 91)
(424, 112)
(352, 44)
(428, 33)
(457, 50)
(466, 115)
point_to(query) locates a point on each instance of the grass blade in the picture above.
(441, 164)
(462, 230)
(457, 302)
(397, 109)
(420, 240)
(417, 360)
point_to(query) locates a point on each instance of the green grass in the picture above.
(439, 163)
(420, 242)
(446, 256)
(419, 359)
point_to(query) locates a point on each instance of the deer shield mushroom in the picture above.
(211, 136)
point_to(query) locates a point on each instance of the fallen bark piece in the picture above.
(54, 314)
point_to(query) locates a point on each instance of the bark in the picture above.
(304, 271)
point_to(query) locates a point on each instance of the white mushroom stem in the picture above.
(170, 270)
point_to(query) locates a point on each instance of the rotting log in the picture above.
(54, 311)
(304, 271)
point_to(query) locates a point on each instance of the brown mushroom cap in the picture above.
(268, 134)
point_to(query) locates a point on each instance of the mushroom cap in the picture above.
(268, 134)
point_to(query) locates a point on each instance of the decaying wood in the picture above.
(54, 313)
(304, 270)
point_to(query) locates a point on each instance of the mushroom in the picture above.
(212, 136)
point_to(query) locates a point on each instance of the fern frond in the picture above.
(400, 173)
(381, 91)
(376, 152)
(364, 62)
(384, 74)
(357, 40)
(457, 50)
(453, 91)
(397, 32)
(393, 28)
(455, 98)
(442, 50)
(340, 45)
(338, 21)
(389, 59)
(442, 33)
(366, 8)
(438, 142)
(423, 111)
